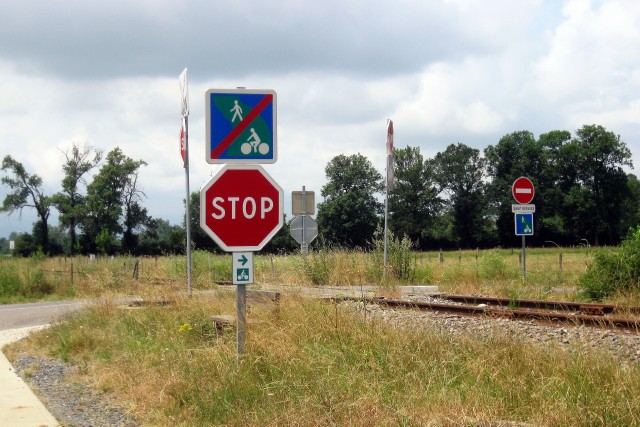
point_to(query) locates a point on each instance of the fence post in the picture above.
(560, 261)
(441, 256)
(71, 274)
(135, 270)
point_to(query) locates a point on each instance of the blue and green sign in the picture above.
(241, 126)
(524, 224)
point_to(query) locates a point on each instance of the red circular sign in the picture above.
(523, 190)
(241, 208)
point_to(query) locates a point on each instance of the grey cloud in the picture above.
(98, 40)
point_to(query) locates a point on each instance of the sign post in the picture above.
(523, 192)
(241, 209)
(303, 228)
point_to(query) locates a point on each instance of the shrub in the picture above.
(614, 271)
(401, 263)
(318, 265)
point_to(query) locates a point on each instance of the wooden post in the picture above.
(241, 319)
(441, 256)
(560, 262)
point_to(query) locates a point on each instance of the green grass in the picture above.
(314, 363)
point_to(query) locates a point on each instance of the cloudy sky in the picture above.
(105, 73)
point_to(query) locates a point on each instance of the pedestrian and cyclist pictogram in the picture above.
(524, 224)
(241, 126)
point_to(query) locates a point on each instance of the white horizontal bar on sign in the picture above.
(523, 190)
(523, 208)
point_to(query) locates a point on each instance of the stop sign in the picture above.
(241, 208)
(523, 190)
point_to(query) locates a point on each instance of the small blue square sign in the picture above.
(524, 224)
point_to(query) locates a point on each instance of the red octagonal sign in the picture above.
(523, 190)
(241, 208)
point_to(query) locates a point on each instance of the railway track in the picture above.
(556, 313)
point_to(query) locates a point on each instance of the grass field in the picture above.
(492, 272)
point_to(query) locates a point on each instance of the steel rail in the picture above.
(586, 308)
(540, 316)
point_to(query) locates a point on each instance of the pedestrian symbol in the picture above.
(241, 126)
(524, 224)
(237, 111)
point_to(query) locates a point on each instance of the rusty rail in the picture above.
(549, 317)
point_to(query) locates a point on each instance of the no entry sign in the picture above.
(523, 190)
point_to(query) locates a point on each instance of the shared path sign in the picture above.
(524, 224)
(241, 126)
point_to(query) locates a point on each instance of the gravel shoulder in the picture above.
(71, 402)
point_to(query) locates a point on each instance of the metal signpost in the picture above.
(303, 228)
(523, 192)
(242, 207)
(184, 151)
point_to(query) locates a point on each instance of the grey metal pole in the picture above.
(524, 259)
(386, 214)
(241, 319)
(188, 214)
(304, 248)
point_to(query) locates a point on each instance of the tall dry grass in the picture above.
(493, 272)
(314, 363)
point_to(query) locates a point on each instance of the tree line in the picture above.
(459, 198)
(462, 197)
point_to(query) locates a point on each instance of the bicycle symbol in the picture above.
(254, 143)
(243, 274)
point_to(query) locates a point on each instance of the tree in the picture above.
(111, 196)
(414, 204)
(516, 154)
(557, 177)
(199, 239)
(135, 215)
(350, 211)
(69, 202)
(161, 238)
(600, 157)
(27, 191)
(460, 172)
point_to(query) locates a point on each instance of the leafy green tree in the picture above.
(70, 201)
(516, 154)
(414, 204)
(459, 171)
(631, 206)
(555, 180)
(350, 212)
(601, 155)
(27, 191)
(25, 245)
(282, 242)
(161, 238)
(199, 239)
(110, 201)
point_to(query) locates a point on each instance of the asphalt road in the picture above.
(13, 316)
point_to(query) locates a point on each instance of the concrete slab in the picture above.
(19, 407)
